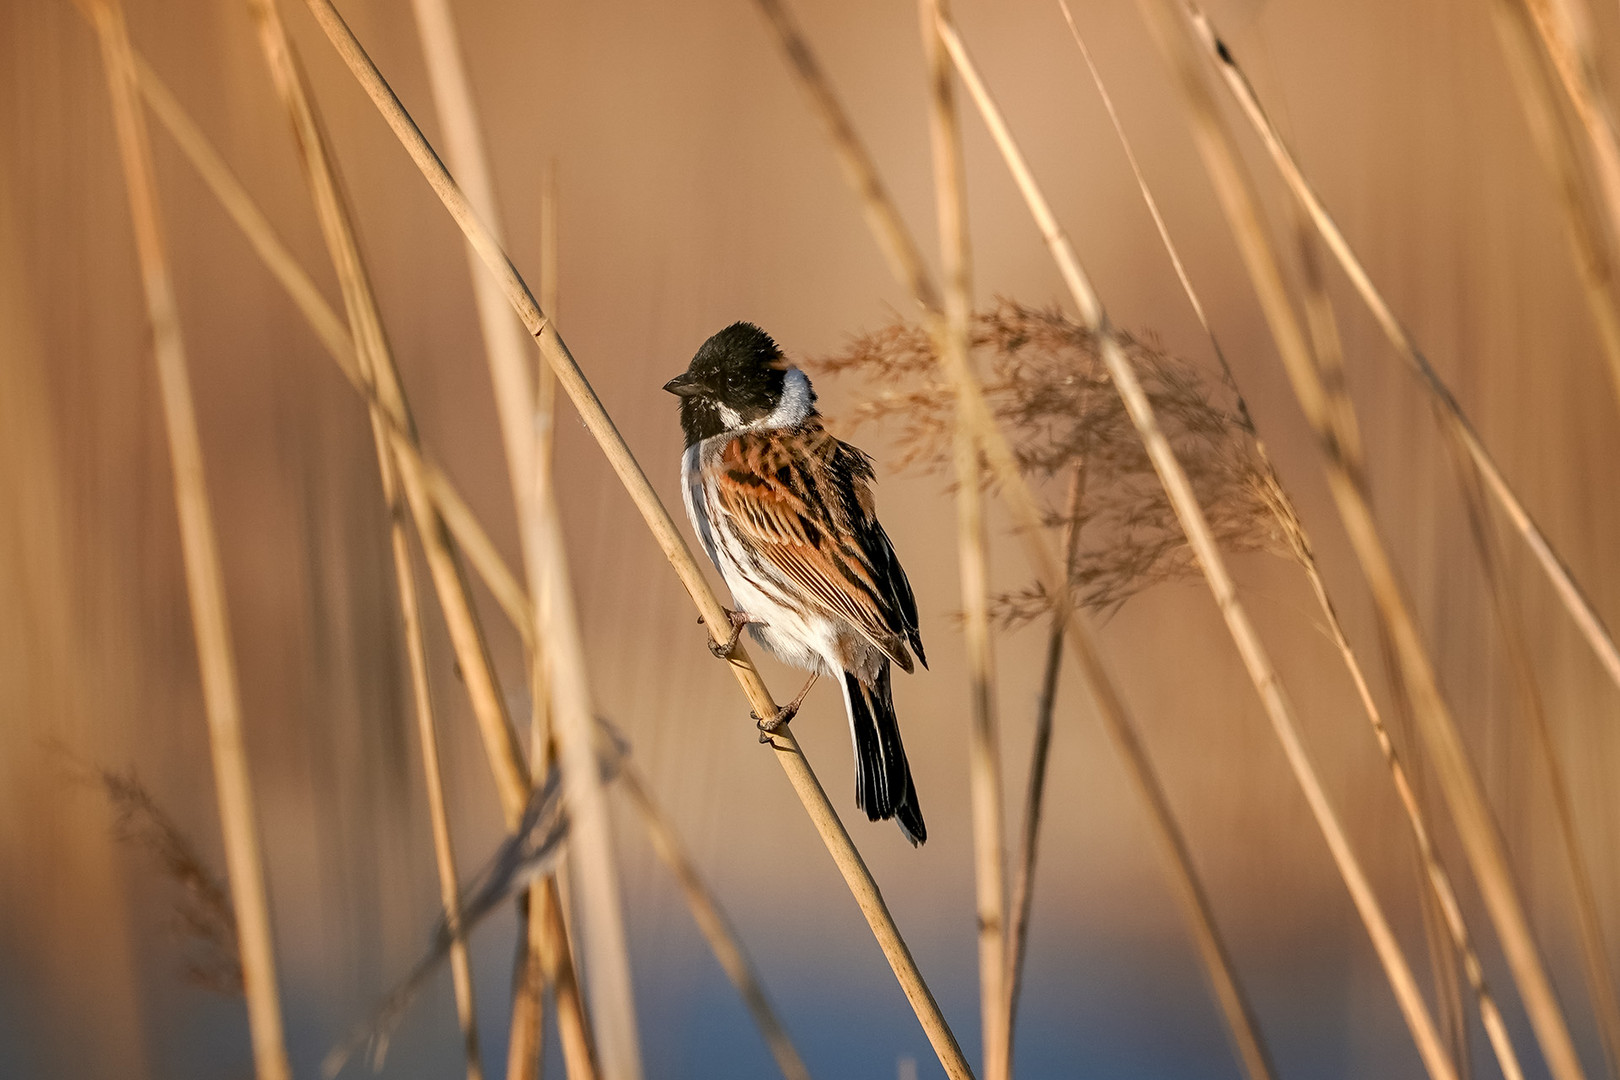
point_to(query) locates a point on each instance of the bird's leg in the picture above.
(784, 714)
(738, 620)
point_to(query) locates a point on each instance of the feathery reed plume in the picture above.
(1200, 537)
(1332, 416)
(900, 249)
(1454, 422)
(1048, 387)
(200, 548)
(567, 695)
(661, 525)
(202, 917)
(952, 335)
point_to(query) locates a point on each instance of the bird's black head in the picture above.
(736, 379)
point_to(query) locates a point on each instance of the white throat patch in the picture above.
(797, 401)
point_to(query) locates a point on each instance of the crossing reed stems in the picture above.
(1330, 413)
(573, 382)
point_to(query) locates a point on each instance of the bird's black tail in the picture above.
(883, 786)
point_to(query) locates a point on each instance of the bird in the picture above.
(785, 511)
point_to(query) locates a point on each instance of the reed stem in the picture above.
(1023, 892)
(954, 335)
(205, 584)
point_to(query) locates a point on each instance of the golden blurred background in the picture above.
(696, 189)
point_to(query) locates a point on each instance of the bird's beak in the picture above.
(684, 385)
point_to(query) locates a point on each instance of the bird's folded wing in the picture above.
(794, 499)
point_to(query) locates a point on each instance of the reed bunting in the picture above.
(785, 512)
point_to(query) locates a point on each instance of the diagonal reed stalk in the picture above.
(1023, 890)
(660, 524)
(954, 336)
(331, 330)
(1267, 682)
(1444, 896)
(1454, 422)
(901, 252)
(1327, 407)
(607, 951)
(205, 584)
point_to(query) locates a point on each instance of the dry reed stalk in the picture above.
(711, 920)
(1594, 260)
(1455, 423)
(466, 633)
(1566, 31)
(591, 849)
(954, 336)
(1331, 415)
(661, 525)
(1588, 921)
(428, 736)
(200, 548)
(906, 263)
(1023, 891)
(1267, 682)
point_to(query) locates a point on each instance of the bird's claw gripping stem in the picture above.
(738, 620)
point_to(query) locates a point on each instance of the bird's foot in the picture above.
(778, 720)
(738, 620)
(787, 712)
